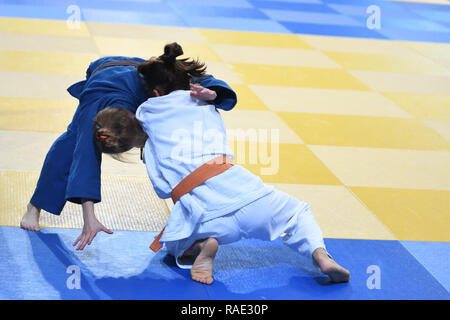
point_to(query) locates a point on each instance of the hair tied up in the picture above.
(171, 52)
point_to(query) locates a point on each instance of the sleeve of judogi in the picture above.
(84, 175)
(226, 97)
(160, 185)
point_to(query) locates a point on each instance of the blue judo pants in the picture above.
(71, 170)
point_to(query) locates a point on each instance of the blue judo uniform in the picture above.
(71, 170)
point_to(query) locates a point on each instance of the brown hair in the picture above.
(115, 130)
(167, 74)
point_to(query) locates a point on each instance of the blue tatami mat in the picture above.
(398, 20)
(43, 265)
(434, 256)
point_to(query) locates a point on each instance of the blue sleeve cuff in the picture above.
(226, 97)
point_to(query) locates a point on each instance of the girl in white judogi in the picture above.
(181, 133)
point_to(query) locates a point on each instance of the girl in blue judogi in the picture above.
(71, 171)
(180, 133)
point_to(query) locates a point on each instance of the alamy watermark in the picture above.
(263, 148)
(253, 146)
(74, 19)
(374, 19)
(374, 280)
(74, 280)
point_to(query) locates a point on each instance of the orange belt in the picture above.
(194, 179)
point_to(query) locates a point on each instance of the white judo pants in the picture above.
(266, 218)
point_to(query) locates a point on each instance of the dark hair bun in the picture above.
(171, 52)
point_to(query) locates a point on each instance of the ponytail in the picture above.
(171, 52)
(167, 73)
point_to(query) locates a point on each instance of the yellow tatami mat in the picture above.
(128, 199)
(128, 203)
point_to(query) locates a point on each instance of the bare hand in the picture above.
(89, 232)
(205, 94)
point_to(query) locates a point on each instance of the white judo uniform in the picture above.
(183, 133)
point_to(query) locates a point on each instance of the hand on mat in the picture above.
(201, 93)
(90, 230)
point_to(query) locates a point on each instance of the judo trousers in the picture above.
(57, 180)
(50, 192)
(266, 218)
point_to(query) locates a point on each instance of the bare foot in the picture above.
(202, 269)
(30, 220)
(330, 267)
